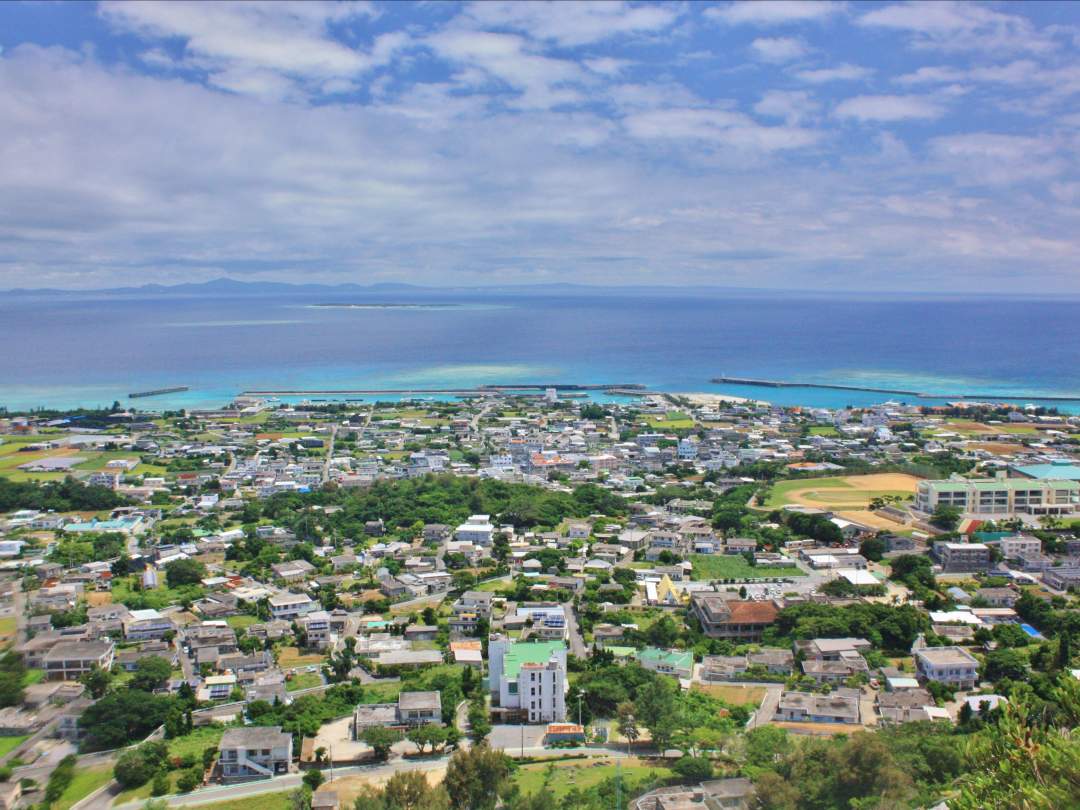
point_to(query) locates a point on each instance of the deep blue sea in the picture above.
(65, 351)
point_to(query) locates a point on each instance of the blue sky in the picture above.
(808, 145)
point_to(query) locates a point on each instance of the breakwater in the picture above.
(896, 391)
(157, 392)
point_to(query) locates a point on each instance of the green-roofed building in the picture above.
(678, 663)
(528, 678)
(1000, 496)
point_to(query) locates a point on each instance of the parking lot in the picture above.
(511, 737)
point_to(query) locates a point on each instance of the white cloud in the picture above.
(573, 23)
(838, 73)
(250, 47)
(985, 158)
(778, 49)
(1019, 72)
(723, 127)
(957, 26)
(774, 12)
(542, 81)
(790, 105)
(888, 108)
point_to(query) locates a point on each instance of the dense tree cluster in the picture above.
(59, 496)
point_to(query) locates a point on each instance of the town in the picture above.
(657, 601)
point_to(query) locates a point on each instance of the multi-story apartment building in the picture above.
(254, 752)
(529, 677)
(999, 496)
(962, 557)
(316, 626)
(68, 661)
(141, 625)
(732, 619)
(950, 665)
(290, 606)
(477, 530)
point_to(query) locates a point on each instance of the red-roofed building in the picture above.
(732, 619)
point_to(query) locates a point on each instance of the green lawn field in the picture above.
(735, 566)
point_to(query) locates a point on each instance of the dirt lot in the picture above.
(733, 693)
(349, 787)
(848, 496)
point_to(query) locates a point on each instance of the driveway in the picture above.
(767, 711)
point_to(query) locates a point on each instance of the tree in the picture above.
(12, 677)
(1006, 663)
(161, 784)
(873, 548)
(1064, 650)
(133, 769)
(188, 781)
(381, 739)
(428, 734)
(627, 724)
(121, 716)
(313, 778)
(696, 769)
(96, 681)
(479, 722)
(946, 517)
(151, 672)
(474, 777)
(766, 744)
(184, 572)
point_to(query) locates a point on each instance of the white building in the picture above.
(290, 606)
(477, 530)
(949, 665)
(529, 677)
(146, 624)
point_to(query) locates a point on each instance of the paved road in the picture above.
(767, 711)
(577, 641)
(329, 454)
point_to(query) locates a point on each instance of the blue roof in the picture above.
(1060, 472)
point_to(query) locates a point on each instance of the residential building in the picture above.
(954, 666)
(289, 606)
(146, 624)
(529, 677)
(839, 706)
(678, 663)
(733, 619)
(962, 557)
(68, 661)
(254, 752)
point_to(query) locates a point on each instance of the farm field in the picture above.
(849, 496)
(735, 566)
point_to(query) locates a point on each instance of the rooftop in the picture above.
(528, 652)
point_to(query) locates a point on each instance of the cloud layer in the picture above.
(919, 147)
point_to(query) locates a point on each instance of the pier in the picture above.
(157, 392)
(896, 391)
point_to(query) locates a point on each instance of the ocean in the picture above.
(90, 349)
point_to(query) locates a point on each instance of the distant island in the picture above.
(391, 305)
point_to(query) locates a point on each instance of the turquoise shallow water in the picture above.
(90, 350)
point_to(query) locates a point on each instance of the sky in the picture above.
(778, 145)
